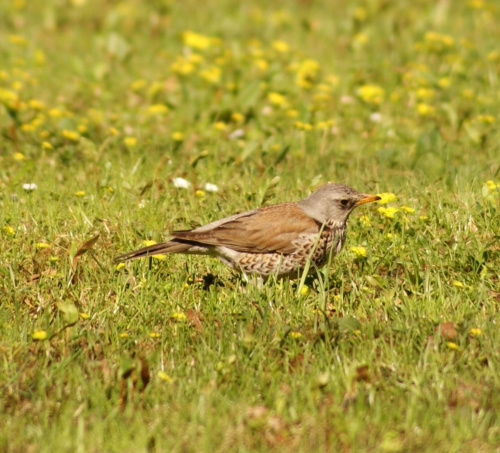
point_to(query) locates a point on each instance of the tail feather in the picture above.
(173, 246)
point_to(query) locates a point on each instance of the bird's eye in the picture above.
(344, 202)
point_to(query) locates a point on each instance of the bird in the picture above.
(278, 239)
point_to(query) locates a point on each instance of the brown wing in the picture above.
(269, 229)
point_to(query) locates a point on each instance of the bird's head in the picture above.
(334, 202)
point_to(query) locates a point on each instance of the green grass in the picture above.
(393, 351)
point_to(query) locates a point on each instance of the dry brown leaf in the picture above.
(447, 330)
(193, 316)
(84, 248)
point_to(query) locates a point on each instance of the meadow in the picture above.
(122, 121)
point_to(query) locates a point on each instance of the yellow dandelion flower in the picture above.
(276, 98)
(295, 335)
(200, 193)
(177, 136)
(486, 119)
(196, 40)
(407, 209)
(19, 157)
(164, 377)
(55, 113)
(179, 316)
(360, 39)
(8, 230)
(386, 197)
(467, 93)
(424, 109)
(359, 251)
(211, 75)
(70, 135)
(154, 335)
(39, 335)
(42, 246)
(182, 66)
(305, 290)
(114, 131)
(475, 332)
(130, 142)
(365, 220)
(36, 104)
(261, 64)
(237, 117)
(371, 94)
(280, 46)
(444, 82)
(452, 345)
(157, 109)
(388, 212)
(79, 193)
(18, 40)
(307, 73)
(123, 335)
(425, 93)
(47, 145)
(84, 315)
(53, 259)
(120, 266)
(360, 14)
(457, 284)
(220, 126)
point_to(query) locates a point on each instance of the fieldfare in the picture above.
(274, 240)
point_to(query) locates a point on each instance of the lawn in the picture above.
(122, 121)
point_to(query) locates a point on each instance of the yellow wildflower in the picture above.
(8, 230)
(276, 98)
(130, 142)
(164, 377)
(196, 40)
(120, 266)
(359, 251)
(19, 156)
(42, 246)
(79, 193)
(200, 193)
(292, 113)
(47, 145)
(237, 117)
(452, 345)
(305, 290)
(39, 335)
(386, 197)
(365, 220)
(179, 316)
(444, 82)
(424, 109)
(457, 284)
(261, 64)
(388, 212)
(177, 136)
(154, 335)
(371, 94)
(280, 46)
(182, 66)
(70, 135)
(425, 93)
(407, 209)
(157, 109)
(123, 335)
(486, 119)
(220, 126)
(295, 335)
(307, 73)
(211, 75)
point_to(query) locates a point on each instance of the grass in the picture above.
(392, 348)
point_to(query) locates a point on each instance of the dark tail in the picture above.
(155, 249)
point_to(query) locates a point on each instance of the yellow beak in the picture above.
(367, 198)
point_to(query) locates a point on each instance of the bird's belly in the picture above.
(265, 264)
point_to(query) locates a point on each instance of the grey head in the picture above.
(334, 203)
